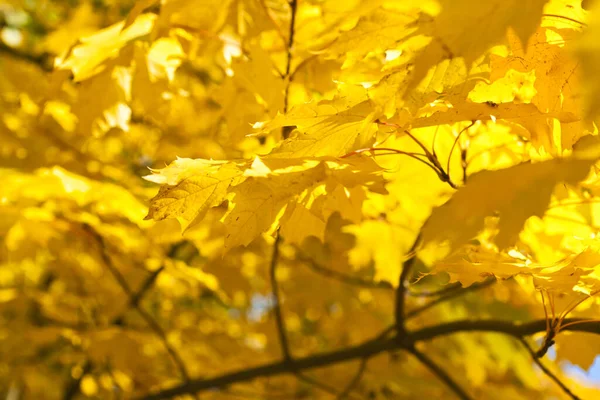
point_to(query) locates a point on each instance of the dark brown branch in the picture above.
(43, 61)
(73, 386)
(448, 296)
(448, 288)
(342, 277)
(278, 368)
(134, 301)
(546, 371)
(319, 385)
(154, 326)
(508, 327)
(355, 380)
(435, 162)
(440, 373)
(368, 349)
(464, 164)
(288, 67)
(403, 286)
(281, 331)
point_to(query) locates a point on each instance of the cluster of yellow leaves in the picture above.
(302, 193)
(468, 124)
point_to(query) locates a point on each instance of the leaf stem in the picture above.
(454, 145)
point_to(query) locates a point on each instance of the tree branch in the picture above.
(448, 288)
(368, 349)
(546, 371)
(440, 373)
(449, 295)
(134, 302)
(355, 380)
(342, 277)
(43, 60)
(403, 286)
(72, 387)
(281, 332)
(288, 67)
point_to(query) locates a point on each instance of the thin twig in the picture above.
(402, 287)
(288, 77)
(435, 163)
(449, 288)
(476, 286)
(154, 326)
(134, 301)
(565, 18)
(464, 164)
(454, 145)
(546, 371)
(390, 151)
(440, 373)
(43, 60)
(73, 386)
(320, 385)
(342, 277)
(355, 380)
(281, 331)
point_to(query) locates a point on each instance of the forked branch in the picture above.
(546, 371)
(440, 373)
(367, 349)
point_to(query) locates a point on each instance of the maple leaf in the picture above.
(326, 129)
(382, 28)
(589, 59)
(192, 188)
(466, 29)
(86, 59)
(487, 152)
(258, 201)
(513, 194)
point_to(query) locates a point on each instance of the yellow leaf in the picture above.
(375, 32)
(514, 194)
(258, 201)
(139, 7)
(300, 223)
(192, 196)
(183, 168)
(466, 29)
(83, 22)
(580, 349)
(325, 130)
(86, 59)
(257, 76)
(588, 51)
(202, 16)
